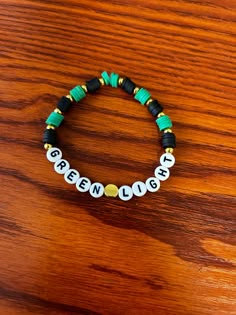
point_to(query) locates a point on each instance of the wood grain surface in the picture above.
(168, 253)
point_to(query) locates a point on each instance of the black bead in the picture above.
(93, 85)
(168, 140)
(49, 136)
(64, 104)
(128, 85)
(155, 108)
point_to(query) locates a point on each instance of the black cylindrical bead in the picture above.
(155, 108)
(64, 104)
(93, 85)
(49, 136)
(168, 140)
(128, 85)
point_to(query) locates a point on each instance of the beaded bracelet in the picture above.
(83, 184)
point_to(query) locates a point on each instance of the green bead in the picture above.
(77, 93)
(54, 119)
(164, 122)
(142, 96)
(105, 77)
(114, 79)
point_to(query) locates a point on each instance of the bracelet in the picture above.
(96, 189)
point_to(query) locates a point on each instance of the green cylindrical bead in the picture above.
(54, 119)
(114, 79)
(77, 93)
(164, 122)
(142, 96)
(105, 77)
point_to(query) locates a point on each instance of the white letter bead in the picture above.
(96, 190)
(125, 193)
(61, 166)
(167, 160)
(83, 184)
(162, 173)
(152, 184)
(54, 154)
(139, 189)
(71, 176)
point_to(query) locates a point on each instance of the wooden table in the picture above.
(172, 252)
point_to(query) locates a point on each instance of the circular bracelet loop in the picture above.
(96, 189)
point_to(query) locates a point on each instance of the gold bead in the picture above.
(84, 87)
(111, 190)
(160, 114)
(121, 81)
(57, 110)
(101, 80)
(50, 127)
(136, 90)
(169, 150)
(168, 130)
(47, 146)
(70, 97)
(149, 101)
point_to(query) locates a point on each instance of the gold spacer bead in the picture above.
(149, 101)
(47, 146)
(160, 114)
(136, 90)
(111, 190)
(57, 110)
(84, 87)
(121, 81)
(70, 97)
(169, 150)
(168, 130)
(101, 80)
(50, 127)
